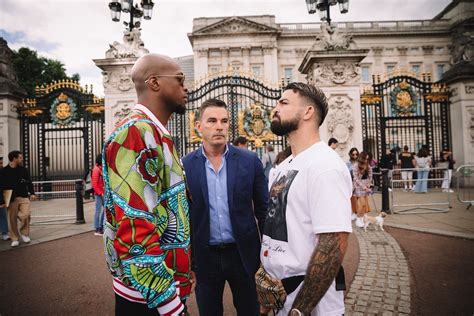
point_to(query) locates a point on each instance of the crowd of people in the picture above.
(275, 229)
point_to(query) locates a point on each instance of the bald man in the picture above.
(146, 233)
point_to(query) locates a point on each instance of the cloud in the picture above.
(77, 31)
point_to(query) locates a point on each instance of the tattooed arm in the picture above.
(322, 269)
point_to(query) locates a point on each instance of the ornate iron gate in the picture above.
(405, 111)
(249, 103)
(61, 131)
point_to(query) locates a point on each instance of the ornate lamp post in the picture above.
(136, 11)
(323, 8)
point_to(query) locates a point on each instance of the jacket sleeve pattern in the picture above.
(147, 211)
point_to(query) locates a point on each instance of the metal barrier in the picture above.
(465, 184)
(418, 208)
(59, 189)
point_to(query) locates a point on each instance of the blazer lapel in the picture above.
(232, 164)
(201, 172)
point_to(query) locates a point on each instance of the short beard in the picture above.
(281, 128)
(177, 108)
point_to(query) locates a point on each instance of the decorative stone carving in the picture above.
(121, 81)
(6, 66)
(402, 50)
(427, 49)
(332, 39)
(463, 48)
(377, 50)
(121, 110)
(471, 123)
(469, 89)
(132, 46)
(340, 123)
(300, 52)
(338, 73)
(203, 53)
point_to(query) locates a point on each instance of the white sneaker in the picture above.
(5, 237)
(354, 216)
(450, 191)
(15, 243)
(25, 239)
(359, 222)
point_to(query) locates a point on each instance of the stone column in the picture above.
(270, 63)
(246, 58)
(201, 58)
(332, 64)
(120, 96)
(225, 57)
(11, 95)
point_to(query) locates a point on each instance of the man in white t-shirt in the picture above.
(309, 216)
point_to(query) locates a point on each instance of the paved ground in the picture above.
(400, 271)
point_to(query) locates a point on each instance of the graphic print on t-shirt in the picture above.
(275, 224)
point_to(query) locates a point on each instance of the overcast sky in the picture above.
(77, 31)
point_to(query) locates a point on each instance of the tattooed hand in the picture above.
(322, 269)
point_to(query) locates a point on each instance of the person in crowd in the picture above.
(448, 163)
(3, 212)
(98, 187)
(422, 163)
(280, 157)
(353, 154)
(15, 177)
(333, 143)
(147, 231)
(268, 160)
(407, 161)
(230, 197)
(388, 160)
(308, 220)
(241, 142)
(362, 182)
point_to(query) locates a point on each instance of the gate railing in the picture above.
(59, 189)
(465, 184)
(423, 207)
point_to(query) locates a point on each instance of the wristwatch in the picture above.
(295, 312)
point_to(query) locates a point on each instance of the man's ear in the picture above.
(198, 125)
(154, 84)
(309, 113)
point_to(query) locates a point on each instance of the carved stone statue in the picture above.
(332, 39)
(132, 46)
(6, 67)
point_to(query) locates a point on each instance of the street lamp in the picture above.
(136, 11)
(323, 7)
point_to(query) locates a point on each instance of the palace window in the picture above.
(415, 68)
(365, 73)
(256, 70)
(440, 69)
(289, 74)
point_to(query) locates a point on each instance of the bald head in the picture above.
(151, 64)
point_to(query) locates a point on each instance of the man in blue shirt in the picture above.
(229, 201)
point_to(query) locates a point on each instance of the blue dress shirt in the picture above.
(219, 217)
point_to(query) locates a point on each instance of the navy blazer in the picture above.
(247, 193)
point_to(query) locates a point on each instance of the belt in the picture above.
(223, 246)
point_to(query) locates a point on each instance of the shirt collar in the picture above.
(151, 116)
(225, 152)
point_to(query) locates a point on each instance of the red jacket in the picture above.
(98, 180)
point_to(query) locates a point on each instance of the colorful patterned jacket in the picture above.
(147, 232)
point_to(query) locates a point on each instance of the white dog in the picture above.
(376, 221)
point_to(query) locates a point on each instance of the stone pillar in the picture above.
(462, 121)
(120, 96)
(270, 63)
(225, 57)
(332, 64)
(246, 58)
(11, 95)
(201, 58)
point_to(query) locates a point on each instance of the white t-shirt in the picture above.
(310, 195)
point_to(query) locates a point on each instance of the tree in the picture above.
(33, 70)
